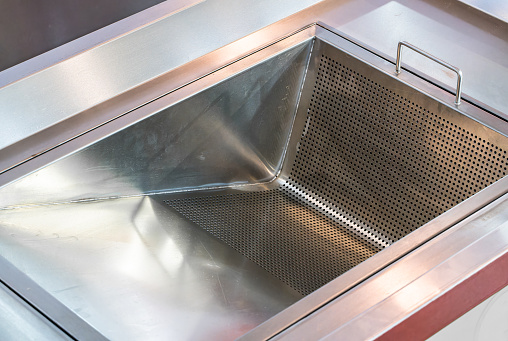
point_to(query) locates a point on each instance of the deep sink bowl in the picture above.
(276, 176)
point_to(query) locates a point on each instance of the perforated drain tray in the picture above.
(307, 162)
(369, 161)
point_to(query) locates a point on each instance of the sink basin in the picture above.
(203, 214)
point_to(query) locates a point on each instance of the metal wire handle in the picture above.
(437, 60)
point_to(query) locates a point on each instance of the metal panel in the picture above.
(79, 83)
(408, 286)
(135, 270)
(233, 132)
(50, 24)
(498, 9)
(327, 126)
(38, 298)
(20, 321)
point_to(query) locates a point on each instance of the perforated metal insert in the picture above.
(294, 242)
(389, 163)
(371, 167)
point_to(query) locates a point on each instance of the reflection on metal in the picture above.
(312, 160)
(378, 306)
(437, 60)
(234, 132)
(48, 25)
(21, 322)
(495, 8)
(43, 99)
(136, 270)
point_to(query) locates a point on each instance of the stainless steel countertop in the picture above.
(498, 9)
(20, 321)
(50, 24)
(451, 30)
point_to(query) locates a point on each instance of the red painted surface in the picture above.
(453, 304)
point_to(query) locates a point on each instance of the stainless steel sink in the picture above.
(228, 200)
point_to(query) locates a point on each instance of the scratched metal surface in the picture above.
(165, 278)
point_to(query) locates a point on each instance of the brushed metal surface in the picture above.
(19, 321)
(87, 79)
(497, 9)
(79, 45)
(448, 29)
(410, 284)
(372, 156)
(373, 161)
(53, 23)
(233, 132)
(135, 270)
(60, 315)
